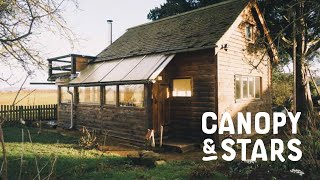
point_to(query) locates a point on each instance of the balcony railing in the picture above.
(67, 66)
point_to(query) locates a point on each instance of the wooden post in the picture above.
(40, 118)
(73, 65)
(102, 95)
(5, 112)
(76, 95)
(56, 112)
(117, 96)
(153, 144)
(33, 113)
(161, 135)
(50, 68)
(11, 113)
(148, 105)
(1, 110)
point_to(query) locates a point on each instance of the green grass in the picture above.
(75, 163)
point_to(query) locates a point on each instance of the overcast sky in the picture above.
(89, 23)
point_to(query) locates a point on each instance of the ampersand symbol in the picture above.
(209, 149)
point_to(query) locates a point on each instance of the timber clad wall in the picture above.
(236, 61)
(213, 90)
(125, 122)
(186, 112)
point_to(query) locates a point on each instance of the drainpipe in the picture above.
(71, 120)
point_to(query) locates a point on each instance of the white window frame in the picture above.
(248, 87)
(251, 27)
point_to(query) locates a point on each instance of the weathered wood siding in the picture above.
(121, 122)
(186, 112)
(237, 61)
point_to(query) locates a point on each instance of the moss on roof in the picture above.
(197, 29)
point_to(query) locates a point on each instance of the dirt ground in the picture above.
(116, 147)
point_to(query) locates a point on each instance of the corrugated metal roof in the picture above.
(138, 68)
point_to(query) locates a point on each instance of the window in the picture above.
(65, 97)
(249, 32)
(258, 87)
(131, 95)
(247, 87)
(111, 95)
(251, 87)
(182, 88)
(238, 87)
(89, 95)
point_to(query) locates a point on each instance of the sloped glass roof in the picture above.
(146, 67)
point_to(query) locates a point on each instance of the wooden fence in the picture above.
(29, 113)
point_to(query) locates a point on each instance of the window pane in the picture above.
(245, 87)
(131, 95)
(238, 87)
(251, 87)
(89, 94)
(110, 95)
(249, 32)
(181, 88)
(258, 87)
(65, 96)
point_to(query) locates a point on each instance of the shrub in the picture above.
(282, 88)
(88, 140)
(311, 154)
(201, 172)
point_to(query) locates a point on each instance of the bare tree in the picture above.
(19, 20)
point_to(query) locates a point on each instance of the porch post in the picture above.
(148, 105)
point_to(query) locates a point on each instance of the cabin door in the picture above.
(160, 105)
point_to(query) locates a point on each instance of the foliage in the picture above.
(306, 168)
(261, 170)
(204, 171)
(313, 90)
(282, 88)
(89, 139)
(278, 14)
(311, 153)
(293, 24)
(173, 7)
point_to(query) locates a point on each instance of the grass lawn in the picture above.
(61, 157)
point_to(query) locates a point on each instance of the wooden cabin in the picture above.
(167, 73)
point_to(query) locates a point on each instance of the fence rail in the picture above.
(29, 113)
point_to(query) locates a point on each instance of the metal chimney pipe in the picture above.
(109, 32)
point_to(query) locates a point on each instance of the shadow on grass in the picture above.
(103, 167)
(64, 167)
(13, 134)
(65, 162)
